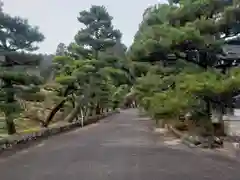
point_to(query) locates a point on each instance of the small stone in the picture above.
(160, 130)
(218, 141)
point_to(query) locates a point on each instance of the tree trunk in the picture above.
(10, 125)
(9, 112)
(82, 116)
(91, 109)
(53, 112)
(73, 101)
(57, 107)
(98, 109)
(73, 113)
(208, 109)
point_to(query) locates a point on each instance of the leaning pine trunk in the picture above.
(57, 107)
(53, 112)
(73, 113)
(82, 117)
(208, 109)
(10, 125)
(91, 110)
(8, 113)
(98, 109)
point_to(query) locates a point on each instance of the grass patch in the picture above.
(25, 126)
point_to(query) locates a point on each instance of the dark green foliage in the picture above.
(177, 50)
(18, 81)
(1, 5)
(19, 76)
(192, 30)
(98, 35)
(90, 74)
(61, 49)
(17, 34)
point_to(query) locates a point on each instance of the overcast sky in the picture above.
(57, 19)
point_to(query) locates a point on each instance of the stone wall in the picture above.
(232, 123)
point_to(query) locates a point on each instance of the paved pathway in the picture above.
(121, 147)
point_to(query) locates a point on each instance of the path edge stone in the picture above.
(184, 139)
(17, 142)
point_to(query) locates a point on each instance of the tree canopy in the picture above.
(178, 53)
(191, 30)
(16, 81)
(98, 34)
(175, 65)
(93, 72)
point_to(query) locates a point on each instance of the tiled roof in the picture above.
(231, 48)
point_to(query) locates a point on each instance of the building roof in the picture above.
(231, 49)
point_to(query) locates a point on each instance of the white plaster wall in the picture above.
(232, 123)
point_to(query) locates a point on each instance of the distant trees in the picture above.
(61, 49)
(1, 6)
(46, 67)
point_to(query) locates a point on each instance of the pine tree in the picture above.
(92, 66)
(190, 30)
(98, 34)
(93, 42)
(15, 79)
(1, 6)
(61, 49)
(193, 31)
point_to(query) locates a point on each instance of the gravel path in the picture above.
(120, 147)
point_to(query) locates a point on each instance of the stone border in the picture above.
(231, 153)
(184, 139)
(16, 142)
